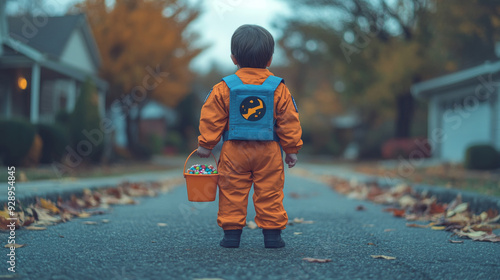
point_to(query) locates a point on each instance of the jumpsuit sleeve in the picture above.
(213, 118)
(287, 122)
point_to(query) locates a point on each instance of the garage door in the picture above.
(464, 127)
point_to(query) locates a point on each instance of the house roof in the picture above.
(27, 43)
(51, 34)
(440, 84)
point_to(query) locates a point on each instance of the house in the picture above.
(154, 120)
(464, 109)
(43, 63)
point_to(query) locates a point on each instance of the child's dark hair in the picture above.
(252, 46)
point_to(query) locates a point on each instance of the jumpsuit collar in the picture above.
(253, 75)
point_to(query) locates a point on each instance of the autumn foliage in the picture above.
(144, 46)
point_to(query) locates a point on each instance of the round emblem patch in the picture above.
(252, 108)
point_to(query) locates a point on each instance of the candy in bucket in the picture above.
(202, 169)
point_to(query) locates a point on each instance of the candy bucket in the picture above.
(201, 187)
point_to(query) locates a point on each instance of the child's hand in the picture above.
(291, 160)
(202, 152)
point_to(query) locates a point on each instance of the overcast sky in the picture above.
(221, 17)
(216, 24)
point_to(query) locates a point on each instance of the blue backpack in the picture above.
(251, 109)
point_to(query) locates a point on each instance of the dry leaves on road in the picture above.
(383, 257)
(314, 260)
(15, 245)
(251, 225)
(299, 221)
(92, 202)
(406, 203)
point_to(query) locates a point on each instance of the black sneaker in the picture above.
(272, 238)
(231, 238)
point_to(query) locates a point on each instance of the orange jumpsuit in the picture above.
(242, 163)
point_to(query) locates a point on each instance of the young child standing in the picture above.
(257, 117)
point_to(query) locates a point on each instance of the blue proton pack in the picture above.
(251, 109)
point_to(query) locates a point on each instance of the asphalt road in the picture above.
(132, 246)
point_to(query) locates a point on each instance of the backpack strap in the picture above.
(232, 81)
(273, 82)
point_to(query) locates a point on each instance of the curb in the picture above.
(27, 192)
(477, 202)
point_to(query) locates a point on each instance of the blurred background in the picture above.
(99, 82)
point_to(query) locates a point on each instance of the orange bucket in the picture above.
(201, 187)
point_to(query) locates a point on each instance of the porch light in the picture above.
(22, 83)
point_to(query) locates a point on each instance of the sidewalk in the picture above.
(26, 192)
(478, 202)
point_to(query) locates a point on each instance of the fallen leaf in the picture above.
(297, 233)
(251, 225)
(43, 217)
(407, 201)
(483, 216)
(372, 244)
(5, 214)
(417, 225)
(161, 224)
(301, 221)
(456, 241)
(438, 228)
(35, 228)
(399, 213)
(62, 236)
(49, 205)
(492, 213)
(294, 195)
(383, 257)
(83, 215)
(396, 212)
(15, 245)
(66, 216)
(478, 235)
(360, 208)
(311, 260)
(436, 208)
(90, 223)
(461, 207)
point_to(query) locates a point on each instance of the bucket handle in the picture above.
(185, 163)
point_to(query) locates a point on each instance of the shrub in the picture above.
(371, 144)
(142, 152)
(16, 139)
(34, 153)
(85, 117)
(406, 147)
(482, 157)
(63, 118)
(55, 140)
(174, 140)
(155, 143)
